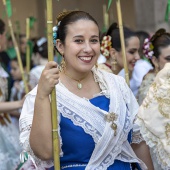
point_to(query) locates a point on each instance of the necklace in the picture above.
(79, 84)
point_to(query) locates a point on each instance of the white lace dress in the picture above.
(9, 136)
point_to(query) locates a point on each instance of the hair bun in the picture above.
(61, 15)
(158, 33)
(111, 28)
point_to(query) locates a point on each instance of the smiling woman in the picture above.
(96, 109)
(160, 42)
(114, 55)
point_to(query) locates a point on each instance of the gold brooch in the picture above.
(111, 117)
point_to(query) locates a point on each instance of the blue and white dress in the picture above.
(87, 139)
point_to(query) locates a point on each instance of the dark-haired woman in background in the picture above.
(111, 49)
(157, 49)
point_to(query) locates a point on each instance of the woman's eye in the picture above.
(94, 40)
(168, 58)
(131, 52)
(79, 41)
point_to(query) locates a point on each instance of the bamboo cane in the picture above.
(17, 51)
(122, 40)
(56, 150)
(28, 48)
(105, 17)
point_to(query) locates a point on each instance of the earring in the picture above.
(96, 65)
(114, 62)
(62, 64)
(156, 69)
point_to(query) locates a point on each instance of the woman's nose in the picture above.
(87, 48)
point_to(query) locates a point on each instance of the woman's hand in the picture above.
(49, 78)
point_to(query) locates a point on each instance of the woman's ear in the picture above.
(60, 46)
(112, 52)
(155, 62)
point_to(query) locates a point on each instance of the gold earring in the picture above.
(114, 62)
(96, 65)
(156, 69)
(62, 64)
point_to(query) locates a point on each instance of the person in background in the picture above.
(157, 49)
(22, 44)
(40, 59)
(18, 90)
(153, 118)
(9, 136)
(142, 66)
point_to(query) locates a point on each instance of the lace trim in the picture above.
(35, 160)
(74, 165)
(162, 156)
(137, 137)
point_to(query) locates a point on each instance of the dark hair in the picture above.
(42, 49)
(69, 17)
(23, 60)
(113, 31)
(2, 26)
(142, 35)
(159, 40)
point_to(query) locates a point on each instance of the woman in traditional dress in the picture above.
(158, 50)
(9, 136)
(111, 49)
(153, 118)
(40, 59)
(96, 109)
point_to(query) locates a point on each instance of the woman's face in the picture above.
(36, 58)
(164, 57)
(15, 71)
(23, 44)
(82, 46)
(132, 53)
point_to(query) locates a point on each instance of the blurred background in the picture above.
(147, 15)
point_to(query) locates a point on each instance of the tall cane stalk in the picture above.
(119, 13)
(17, 51)
(56, 151)
(28, 47)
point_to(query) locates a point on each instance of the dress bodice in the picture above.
(78, 146)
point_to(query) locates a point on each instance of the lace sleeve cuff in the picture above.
(136, 136)
(32, 159)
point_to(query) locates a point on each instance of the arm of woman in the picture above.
(142, 152)
(41, 131)
(10, 106)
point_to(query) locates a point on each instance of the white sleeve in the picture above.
(25, 124)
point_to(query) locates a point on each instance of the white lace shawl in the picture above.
(81, 112)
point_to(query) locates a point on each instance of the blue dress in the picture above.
(78, 145)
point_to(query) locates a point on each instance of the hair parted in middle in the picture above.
(69, 17)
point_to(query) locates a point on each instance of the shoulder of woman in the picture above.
(33, 92)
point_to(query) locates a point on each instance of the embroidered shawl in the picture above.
(154, 117)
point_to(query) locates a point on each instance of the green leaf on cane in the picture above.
(32, 21)
(9, 8)
(167, 13)
(109, 4)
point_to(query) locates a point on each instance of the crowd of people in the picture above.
(104, 124)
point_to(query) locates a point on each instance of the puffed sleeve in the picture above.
(25, 124)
